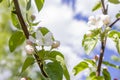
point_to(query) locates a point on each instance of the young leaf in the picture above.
(55, 55)
(54, 70)
(39, 4)
(80, 67)
(97, 6)
(111, 65)
(15, 20)
(115, 36)
(16, 40)
(90, 62)
(89, 43)
(118, 15)
(114, 1)
(29, 61)
(106, 74)
(28, 5)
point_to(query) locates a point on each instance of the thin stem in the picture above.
(26, 32)
(22, 22)
(103, 43)
(114, 22)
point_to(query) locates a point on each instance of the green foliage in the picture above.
(97, 6)
(39, 4)
(54, 70)
(89, 42)
(16, 40)
(80, 67)
(106, 74)
(55, 55)
(118, 15)
(115, 36)
(111, 65)
(93, 76)
(28, 5)
(1, 1)
(115, 58)
(15, 20)
(114, 1)
(28, 62)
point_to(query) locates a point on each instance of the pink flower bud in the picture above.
(23, 79)
(29, 49)
(56, 44)
(96, 57)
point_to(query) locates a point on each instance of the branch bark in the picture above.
(103, 43)
(26, 32)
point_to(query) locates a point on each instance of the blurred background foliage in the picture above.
(11, 63)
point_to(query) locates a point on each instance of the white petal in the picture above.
(32, 39)
(39, 35)
(48, 41)
(39, 42)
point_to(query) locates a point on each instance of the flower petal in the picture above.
(39, 35)
(32, 39)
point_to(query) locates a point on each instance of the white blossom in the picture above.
(41, 40)
(95, 22)
(105, 19)
(88, 33)
(98, 21)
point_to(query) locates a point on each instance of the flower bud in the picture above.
(29, 42)
(33, 17)
(105, 19)
(56, 44)
(96, 57)
(23, 79)
(88, 33)
(29, 49)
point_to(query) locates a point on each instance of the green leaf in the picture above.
(118, 15)
(114, 1)
(54, 70)
(93, 76)
(97, 6)
(115, 36)
(115, 58)
(1, 1)
(90, 62)
(111, 65)
(16, 40)
(55, 55)
(89, 43)
(80, 67)
(106, 74)
(28, 5)
(44, 30)
(39, 4)
(15, 20)
(29, 61)
(98, 78)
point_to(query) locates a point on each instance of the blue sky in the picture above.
(67, 19)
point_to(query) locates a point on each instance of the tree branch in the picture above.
(103, 43)
(114, 22)
(26, 32)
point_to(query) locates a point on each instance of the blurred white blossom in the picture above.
(98, 21)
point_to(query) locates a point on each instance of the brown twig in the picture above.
(114, 22)
(103, 43)
(26, 32)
